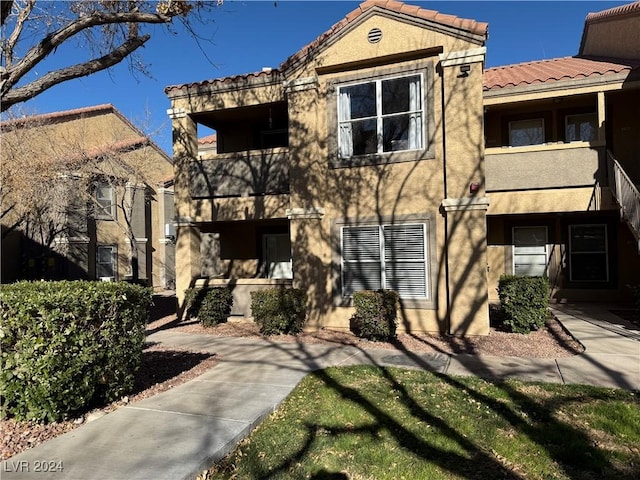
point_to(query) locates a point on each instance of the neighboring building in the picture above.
(562, 164)
(360, 163)
(107, 175)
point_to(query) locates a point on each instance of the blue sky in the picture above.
(245, 36)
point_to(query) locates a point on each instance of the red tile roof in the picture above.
(553, 70)
(208, 140)
(630, 8)
(54, 116)
(476, 28)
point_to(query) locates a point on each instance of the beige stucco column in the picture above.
(466, 244)
(464, 205)
(311, 259)
(310, 249)
(187, 249)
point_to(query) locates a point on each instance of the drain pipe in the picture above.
(444, 213)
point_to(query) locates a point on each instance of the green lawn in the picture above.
(370, 423)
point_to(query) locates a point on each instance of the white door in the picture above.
(277, 250)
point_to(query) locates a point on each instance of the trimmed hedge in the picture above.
(210, 305)
(67, 345)
(375, 317)
(279, 310)
(525, 302)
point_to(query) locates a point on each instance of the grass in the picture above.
(370, 423)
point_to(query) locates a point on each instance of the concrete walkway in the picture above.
(183, 431)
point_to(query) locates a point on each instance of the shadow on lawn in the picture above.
(567, 446)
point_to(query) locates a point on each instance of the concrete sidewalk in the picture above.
(183, 431)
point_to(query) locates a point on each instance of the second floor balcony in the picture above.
(240, 174)
(547, 166)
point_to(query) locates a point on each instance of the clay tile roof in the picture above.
(553, 70)
(613, 12)
(477, 28)
(51, 117)
(265, 74)
(208, 140)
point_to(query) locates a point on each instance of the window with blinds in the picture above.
(387, 256)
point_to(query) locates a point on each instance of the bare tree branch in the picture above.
(8, 49)
(40, 51)
(36, 87)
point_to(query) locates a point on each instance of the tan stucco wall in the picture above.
(549, 166)
(87, 135)
(385, 191)
(616, 37)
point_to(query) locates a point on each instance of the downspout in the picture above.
(446, 219)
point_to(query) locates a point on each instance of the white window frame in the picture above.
(513, 123)
(567, 118)
(114, 260)
(106, 205)
(416, 115)
(384, 263)
(514, 254)
(606, 252)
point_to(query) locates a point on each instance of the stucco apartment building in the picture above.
(384, 155)
(107, 175)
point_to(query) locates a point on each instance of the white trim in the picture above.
(175, 113)
(312, 212)
(300, 84)
(466, 203)
(462, 57)
(68, 240)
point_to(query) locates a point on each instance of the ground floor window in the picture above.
(588, 253)
(391, 257)
(277, 255)
(106, 258)
(530, 254)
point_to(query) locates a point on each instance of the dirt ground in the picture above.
(164, 367)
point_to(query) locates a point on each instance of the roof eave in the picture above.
(561, 87)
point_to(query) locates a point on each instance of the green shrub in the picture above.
(525, 302)
(279, 310)
(67, 345)
(375, 317)
(210, 305)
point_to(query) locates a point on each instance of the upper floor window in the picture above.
(526, 132)
(384, 115)
(106, 202)
(581, 127)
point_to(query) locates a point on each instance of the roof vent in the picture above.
(374, 35)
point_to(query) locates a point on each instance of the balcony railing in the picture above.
(626, 194)
(241, 174)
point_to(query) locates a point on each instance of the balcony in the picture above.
(547, 166)
(237, 186)
(240, 174)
